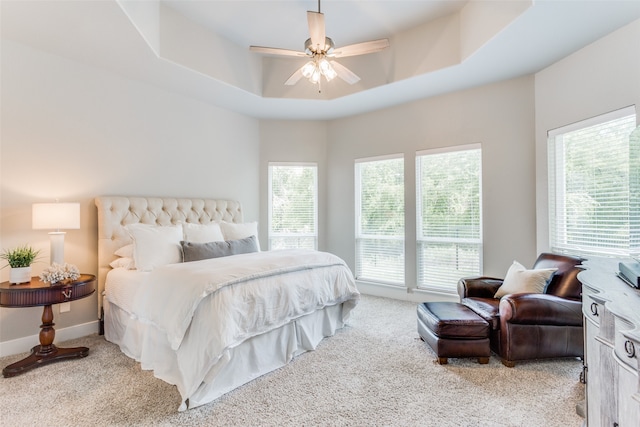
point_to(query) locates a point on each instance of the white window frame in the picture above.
(271, 233)
(450, 287)
(558, 241)
(358, 223)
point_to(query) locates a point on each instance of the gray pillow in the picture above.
(198, 251)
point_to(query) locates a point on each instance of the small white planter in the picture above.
(20, 275)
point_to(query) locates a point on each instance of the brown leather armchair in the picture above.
(531, 326)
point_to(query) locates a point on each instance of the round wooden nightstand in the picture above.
(38, 293)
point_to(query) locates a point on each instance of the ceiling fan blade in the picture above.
(361, 48)
(316, 30)
(276, 51)
(294, 78)
(344, 73)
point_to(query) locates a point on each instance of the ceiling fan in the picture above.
(320, 50)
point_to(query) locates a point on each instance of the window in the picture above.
(380, 219)
(594, 183)
(293, 205)
(449, 217)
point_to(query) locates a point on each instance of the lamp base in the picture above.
(57, 246)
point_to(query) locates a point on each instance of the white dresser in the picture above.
(611, 310)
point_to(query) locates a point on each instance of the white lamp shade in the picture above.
(56, 216)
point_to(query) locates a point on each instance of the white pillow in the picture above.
(125, 251)
(123, 262)
(154, 246)
(202, 233)
(521, 280)
(233, 231)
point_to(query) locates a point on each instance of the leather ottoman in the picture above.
(453, 330)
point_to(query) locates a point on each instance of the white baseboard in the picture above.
(402, 293)
(25, 344)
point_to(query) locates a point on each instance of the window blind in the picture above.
(449, 217)
(293, 205)
(380, 220)
(594, 186)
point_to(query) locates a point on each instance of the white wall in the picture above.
(499, 116)
(602, 77)
(293, 141)
(74, 132)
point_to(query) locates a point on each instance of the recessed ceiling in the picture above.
(110, 35)
(284, 23)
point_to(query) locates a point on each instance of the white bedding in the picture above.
(122, 286)
(185, 321)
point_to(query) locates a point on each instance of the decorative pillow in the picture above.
(521, 280)
(202, 233)
(154, 246)
(233, 231)
(125, 251)
(197, 251)
(123, 262)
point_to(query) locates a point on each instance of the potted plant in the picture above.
(20, 260)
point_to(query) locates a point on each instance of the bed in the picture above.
(210, 325)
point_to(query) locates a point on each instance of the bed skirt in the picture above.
(251, 359)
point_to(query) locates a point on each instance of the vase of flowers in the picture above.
(19, 260)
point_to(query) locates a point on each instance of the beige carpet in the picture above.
(376, 372)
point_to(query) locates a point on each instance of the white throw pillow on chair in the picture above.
(520, 280)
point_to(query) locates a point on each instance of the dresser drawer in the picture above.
(592, 308)
(627, 350)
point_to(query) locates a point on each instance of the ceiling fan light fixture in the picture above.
(308, 69)
(315, 77)
(323, 64)
(330, 75)
(327, 70)
(318, 67)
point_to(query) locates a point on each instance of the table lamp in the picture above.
(56, 216)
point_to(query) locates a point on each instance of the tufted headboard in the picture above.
(115, 212)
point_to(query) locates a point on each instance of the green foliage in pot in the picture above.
(22, 256)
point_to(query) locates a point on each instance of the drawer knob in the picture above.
(67, 294)
(630, 349)
(594, 309)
